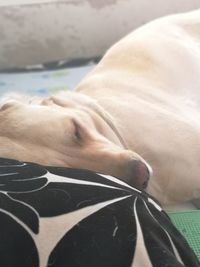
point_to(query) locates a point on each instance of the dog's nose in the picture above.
(138, 173)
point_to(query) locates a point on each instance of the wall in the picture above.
(33, 32)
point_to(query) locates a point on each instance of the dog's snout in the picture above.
(138, 173)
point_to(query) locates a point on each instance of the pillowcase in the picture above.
(58, 217)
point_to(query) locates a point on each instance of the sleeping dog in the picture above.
(138, 108)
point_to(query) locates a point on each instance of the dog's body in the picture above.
(149, 83)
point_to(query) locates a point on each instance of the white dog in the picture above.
(143, 96)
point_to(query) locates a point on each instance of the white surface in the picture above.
(25, 2)
(35, 31)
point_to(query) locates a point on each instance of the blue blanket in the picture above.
(43, 82)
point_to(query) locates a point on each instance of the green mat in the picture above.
(188, 223)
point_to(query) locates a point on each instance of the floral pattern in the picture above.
(69, 217)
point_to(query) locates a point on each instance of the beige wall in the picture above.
(33, 33)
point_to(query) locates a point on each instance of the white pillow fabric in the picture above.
(34, 32)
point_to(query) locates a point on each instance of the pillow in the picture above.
(39, 31)
(58, 217)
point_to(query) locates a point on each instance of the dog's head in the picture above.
(69, 131)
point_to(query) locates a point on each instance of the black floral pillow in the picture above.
(63, 217)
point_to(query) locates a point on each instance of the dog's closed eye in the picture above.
(81, 133)
(77, 131)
